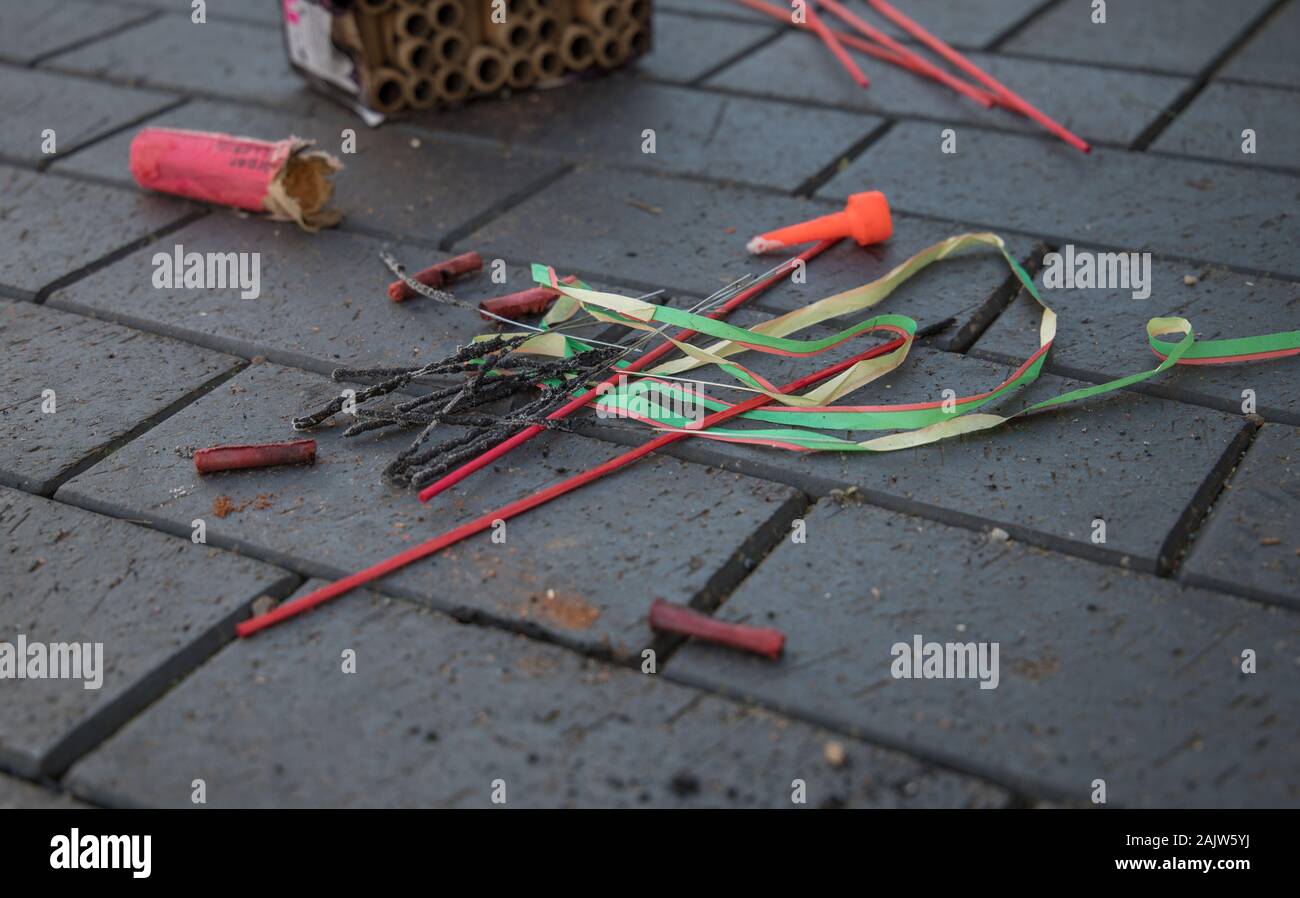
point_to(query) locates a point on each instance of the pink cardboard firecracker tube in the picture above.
(284, 178)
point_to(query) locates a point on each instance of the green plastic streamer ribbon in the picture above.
(798, 417)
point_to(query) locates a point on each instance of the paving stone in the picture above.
(1101, 335)
(33, 30)
(1212, 125)
(16, 794)
(78, 111)
(52, 227)
(1269, 57)
(254, 10)
(1103, 105)
(1185, 208)
(220, 57)
(1184, 36)
(158, 605)
(686, 47)
(696, 133)
(264, 724)
(321, 304)
(107, 381)
(1103, 673)
(420, 186)
(970, 23)
(1249, 545)
(1134, 461)
(667, 528)
(716, 8)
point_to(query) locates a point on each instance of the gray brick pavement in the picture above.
(1213, 125)
(1108, 672)
(78, 111)
(1109, 106)
(157, 604)
(54, 228)
(34, 30)
(274, 722)
(107, 383)
(1184, 36)
(1249, 545)
(1123, 200)
(1102, 673)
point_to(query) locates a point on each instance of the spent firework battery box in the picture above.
(385, 57)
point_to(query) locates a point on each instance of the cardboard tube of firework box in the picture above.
(284, 178)
(635, 40)
(520, 71)
(514, 35)
(548, 62)
(385, 90)
(486, 70)
(444, 14)
(375, 7)
(560, 10)
(601, 15)
(416, 56)
(451, 84)
(547, 28)
(374, 45)
(410, 22)
(420, 91)
(450, 48)
(637, 10)
(610, 51)
(577, 48)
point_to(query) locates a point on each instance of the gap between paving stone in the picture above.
(77, 113)
(460, 707)
(1159, 126)
(37, 36)
(1247, 546)
(56, 229)
(109, 385)
(179, 611)
(1102, 672)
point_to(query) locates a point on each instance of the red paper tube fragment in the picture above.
(230, 458)
(436, 276)
(684, 621)
(533, 301)
(285, 178)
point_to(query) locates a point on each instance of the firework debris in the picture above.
(284, 178)
(534, 301)
(668, 617)
(459, 403)
(264, 455)
(436, 276)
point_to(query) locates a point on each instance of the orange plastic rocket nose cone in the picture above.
(865, 218)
